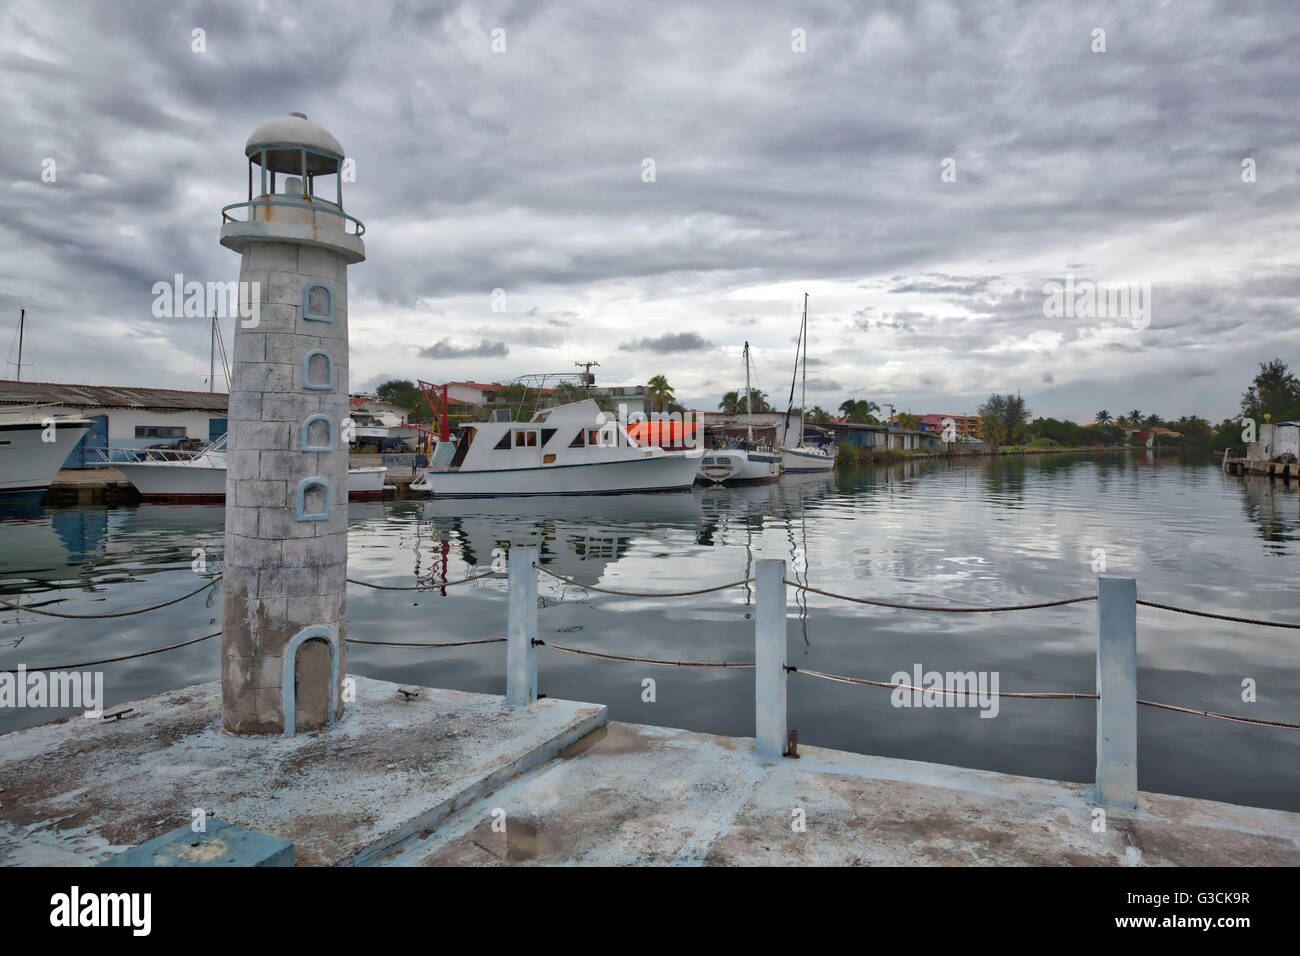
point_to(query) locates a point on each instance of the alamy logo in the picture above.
(194, 300)
(83, 689)
(951, 689)
(1085, 299)
(103, 909)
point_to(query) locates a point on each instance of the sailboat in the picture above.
(743, 462)
(806, 453)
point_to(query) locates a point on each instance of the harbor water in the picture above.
(974, 532)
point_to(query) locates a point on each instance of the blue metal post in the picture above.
(769, 658)
(521, 628)
(1116, 783)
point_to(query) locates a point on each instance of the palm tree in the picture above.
(1103, 417)
(659, 394)
(818, 415)
(731, 404)
(858, 411)
(1135, 418)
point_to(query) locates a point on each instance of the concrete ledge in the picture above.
(79, 791)
(636, 795)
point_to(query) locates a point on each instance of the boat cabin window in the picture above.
(503, 443)
(579, 440)
(526, 439)
(593, 436)
(547, 434)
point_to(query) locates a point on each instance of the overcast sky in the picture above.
(776, 171)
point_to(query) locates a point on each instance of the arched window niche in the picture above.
(317, 434)
(314, 499)
(317, 303)
(317, 371)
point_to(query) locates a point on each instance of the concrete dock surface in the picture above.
(630, 795)
(80, 790)
(451, 778)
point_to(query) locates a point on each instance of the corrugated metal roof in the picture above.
(111, 396)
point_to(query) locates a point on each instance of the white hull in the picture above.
(366, 482)
(205, 477)
(797, 460)
(733, 466)
(28, 463)
(673, 471)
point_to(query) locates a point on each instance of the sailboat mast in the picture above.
(749, 398)
(22, 321)
(803, 389)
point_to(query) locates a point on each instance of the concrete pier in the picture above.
(454, 778)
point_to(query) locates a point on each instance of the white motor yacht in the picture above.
(571, 449)
(35, 441)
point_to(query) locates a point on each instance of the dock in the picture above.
(1287, 471)
(108, 486)
(425, 777)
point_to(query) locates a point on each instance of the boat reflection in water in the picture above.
(574, 536)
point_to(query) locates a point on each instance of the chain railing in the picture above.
(1115, 696)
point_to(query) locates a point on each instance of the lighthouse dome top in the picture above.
(277, 145)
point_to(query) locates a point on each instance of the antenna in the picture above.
(586, 374)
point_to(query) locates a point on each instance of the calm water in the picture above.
(983, 532)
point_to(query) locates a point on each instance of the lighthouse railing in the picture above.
(316, 209)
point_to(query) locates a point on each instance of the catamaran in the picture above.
(743, 462)
(34, 443)
(571, 449)
(806, 453)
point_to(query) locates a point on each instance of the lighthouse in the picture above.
(285, 566)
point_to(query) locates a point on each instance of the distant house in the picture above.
(967, 426)
(478, 393)
(884, 436)
(633, 396)
(126, 417)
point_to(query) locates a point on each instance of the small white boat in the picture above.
(366, 481)
(35, 441)
(734, 466)
(801, 455)
(201, 475)
(808, 458)
(567, 450)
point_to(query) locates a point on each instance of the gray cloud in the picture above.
(668, 342)
(443, 349)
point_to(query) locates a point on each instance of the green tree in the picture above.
(404, 394)
(906, 420)
(1275, 391)
(733, 403)
(1103, 417)
(818, 416)
(659, 395)
(859, 411)
(1006, 419)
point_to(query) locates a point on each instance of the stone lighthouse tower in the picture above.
(283, 622)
